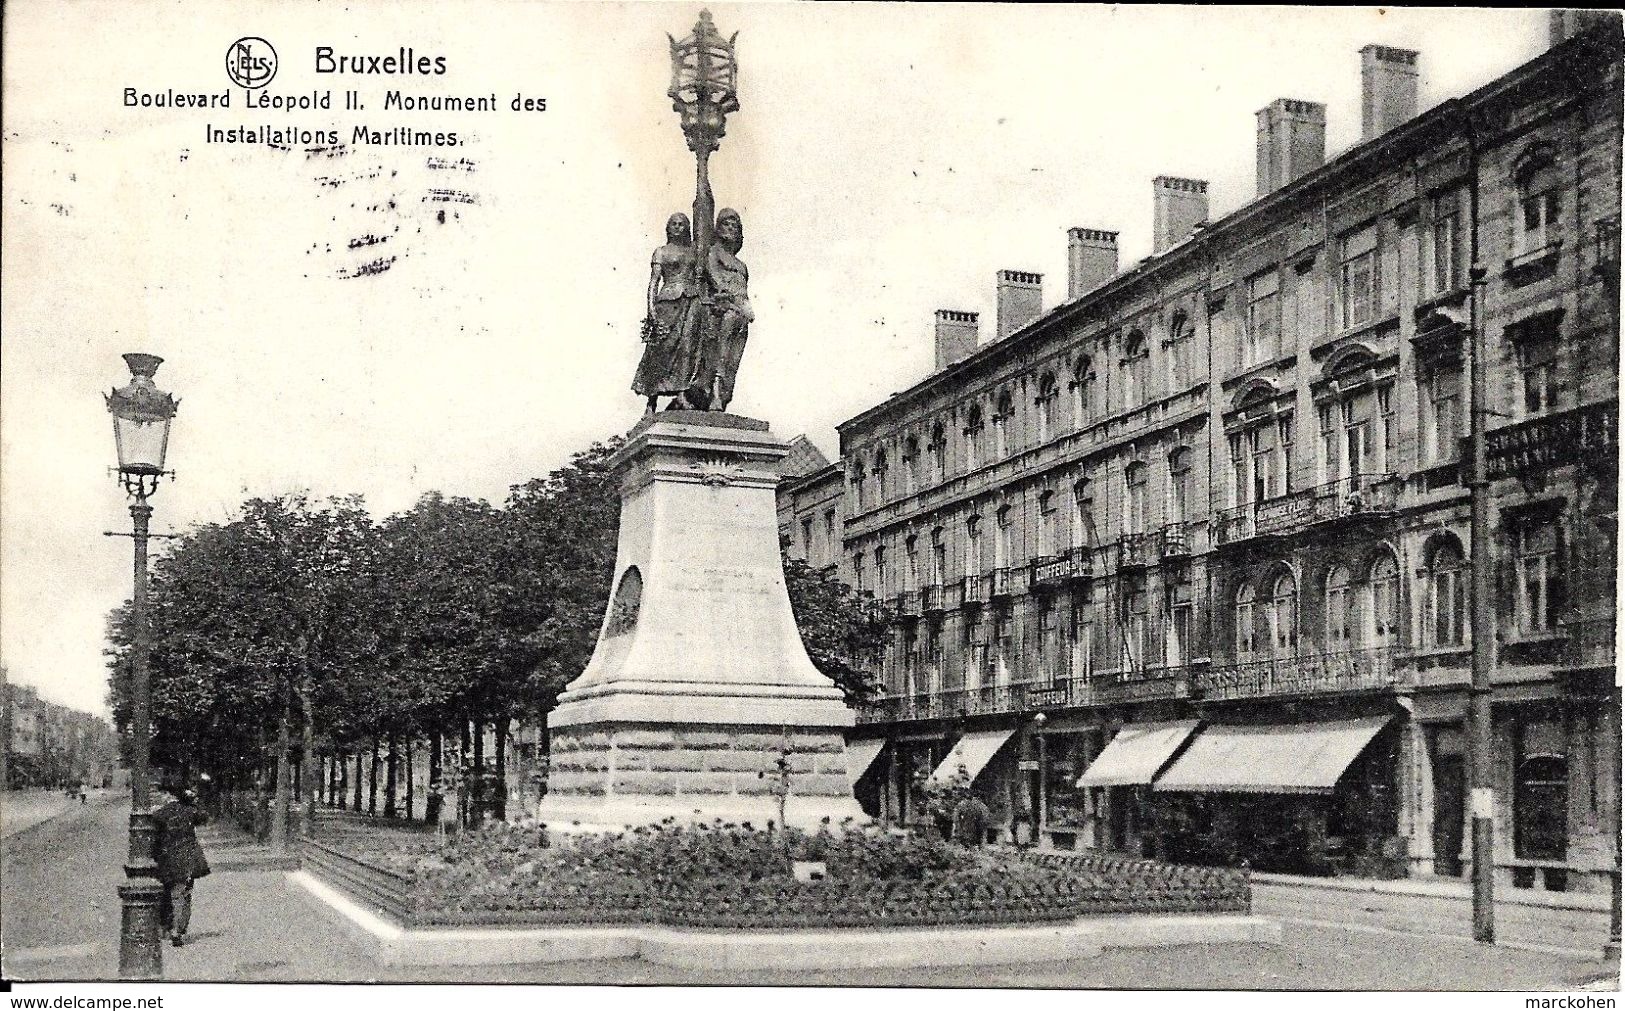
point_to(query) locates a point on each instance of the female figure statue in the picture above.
(670, 333)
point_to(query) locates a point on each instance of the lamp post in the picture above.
(141, 418)
(704, 89)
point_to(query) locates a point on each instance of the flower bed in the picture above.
(737, 877)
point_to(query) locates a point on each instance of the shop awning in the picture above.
(859, 756)
(973, 751)
(1137, 753)
(1289, 758)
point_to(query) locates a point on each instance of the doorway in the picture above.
(1447, 745)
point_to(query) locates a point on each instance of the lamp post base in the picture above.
(140, 952)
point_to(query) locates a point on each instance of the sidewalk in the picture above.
(21, 809)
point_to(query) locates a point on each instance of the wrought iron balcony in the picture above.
(1356, 496)
(1083, 561)
(1133, 551)
(1590, 642)
(908, 604)
(1589, 433)
(931, 599)
(975, 589)
(1143, 684)
(1174, 540)
(1048, 570)
(1341, 671)
(985, 700)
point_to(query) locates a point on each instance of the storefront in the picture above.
(1117, 783)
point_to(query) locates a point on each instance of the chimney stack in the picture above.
(1387, 89)
(956, 336)
(1179, 205)
(1020, 301)
(1291, 141)
(1563, 25)
(1091, 260)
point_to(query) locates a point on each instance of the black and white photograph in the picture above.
(890, 502)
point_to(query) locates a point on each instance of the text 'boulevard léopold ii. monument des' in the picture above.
(700, 701)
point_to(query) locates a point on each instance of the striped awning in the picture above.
(1274, 758)
(1137, 753)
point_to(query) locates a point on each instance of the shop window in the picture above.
(1540, 577)
(1444, 607)
(1358, 280)
(1066, 758)
(1540, 791)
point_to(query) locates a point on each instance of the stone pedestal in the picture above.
(700, 701)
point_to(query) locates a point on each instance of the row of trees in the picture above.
(302, 631)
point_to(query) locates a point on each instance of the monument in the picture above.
(700, 701)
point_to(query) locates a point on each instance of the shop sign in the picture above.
(1042, 697)
(1283, 515)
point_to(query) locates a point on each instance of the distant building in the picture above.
(51, 745)
(1207, 517)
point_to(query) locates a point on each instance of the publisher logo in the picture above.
(251, 62)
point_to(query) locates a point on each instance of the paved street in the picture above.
(20, 809)
(60, 921)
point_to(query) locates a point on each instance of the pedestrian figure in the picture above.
(180, 859)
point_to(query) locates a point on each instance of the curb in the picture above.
(391, 944)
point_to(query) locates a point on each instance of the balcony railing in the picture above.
(1174, 540)
(985, 700)
(1342, 671)
(1345, 498)
(931, 599)
(1001, 583)
(1590, 642)
(975, 589)
(1143, 684)
(1590, 432)
(908, 604)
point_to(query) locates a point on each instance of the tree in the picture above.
(839, 627)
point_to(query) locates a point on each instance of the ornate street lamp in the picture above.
(704, 89)
(142, 414)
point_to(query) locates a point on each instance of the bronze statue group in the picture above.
(699, 316)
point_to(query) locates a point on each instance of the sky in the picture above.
(887, 161)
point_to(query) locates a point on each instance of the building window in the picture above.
(880, 477)
(1540, 790)
(1536, 221)
(1385, 428)
(1340, 621)
(911, 563)
(1002, 541)
(1083, 514)
(1540, 577)
(1358, 281)
(1137, 644)
(1046, 523)
(857, 572)
(1083, 392)
(1441, 414)
(882, 580)
(1134, 511)
(974, 651)
(1181, 489)
(1444, 606)
(1537, 367)
(1253, 464)
(1246, 625)
(859, 480)
(933, 658)
(937, 449)
(911, 465)
(1048, 394)
(973, 437)
(1002, 416)
(1382, 602)
(1284, 616)
(832, 547)
(1136, 369)
(939, 558)
(1179, 622)
(1263, 340)
(973, 546)
(1448, 262)
(1180, 349)
(1283, 440)
(1049, 641)
(1004, 639)
(1308, 305)
(806, 539)
(1083, 637)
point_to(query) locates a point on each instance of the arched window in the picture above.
(1083, 392)
(1083, 514)
(882, 577)
(1002, 543)
(1048, 393)
(1046, 522)
(1536, 222)
(1002, 416)
(1284, 616)
(1134, 509)
(1340, 622)
(1246, 625)
(1382, 602)
(1444, 598)
(973, 437)
(880, 477)
(1180, 347)
(911, 563)
(911, 465)
(937, 449)
(939, 558)
(1136, 369)
(973, 546)
(1181, 489)
(857, 479)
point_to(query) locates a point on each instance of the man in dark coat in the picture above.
(180, 859)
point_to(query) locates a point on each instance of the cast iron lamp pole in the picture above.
(141, 418)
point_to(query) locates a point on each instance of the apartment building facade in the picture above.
(1181, 564)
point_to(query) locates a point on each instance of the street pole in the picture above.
(1483, 631)
(140, 953)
